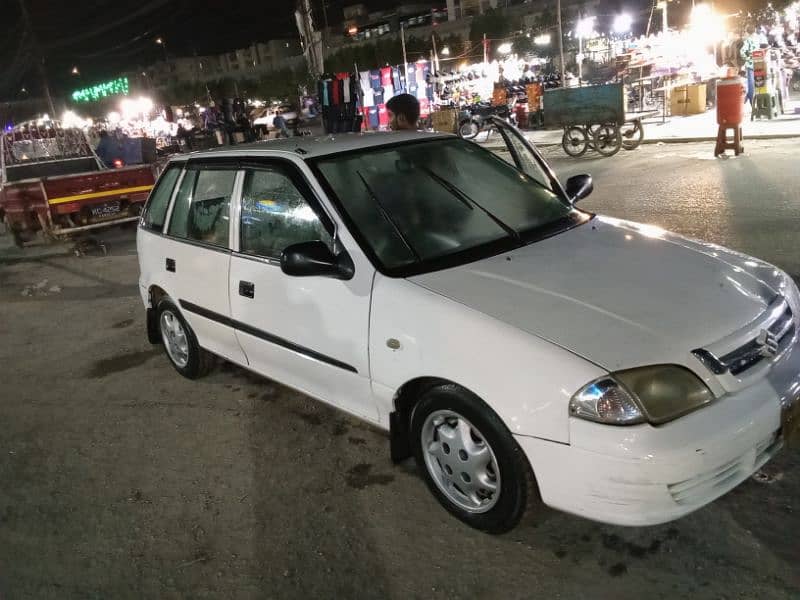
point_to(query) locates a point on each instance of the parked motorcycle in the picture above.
(476, 118)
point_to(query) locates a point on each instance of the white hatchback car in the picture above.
(521, 349)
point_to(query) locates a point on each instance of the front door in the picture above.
(521, 153)
(310, 333)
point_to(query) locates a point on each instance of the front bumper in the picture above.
(645, 475)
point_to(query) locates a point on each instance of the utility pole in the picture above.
(435, 60)
(560, 43)
(310, 39)
(405, 58)
(325, 18)
(40, 56)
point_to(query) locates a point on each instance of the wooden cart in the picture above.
(593, 117)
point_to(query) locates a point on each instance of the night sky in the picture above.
(104, 37)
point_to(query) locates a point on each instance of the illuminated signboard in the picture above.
(115, 87)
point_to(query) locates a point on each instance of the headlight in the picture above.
(656, 394)
(605, 401)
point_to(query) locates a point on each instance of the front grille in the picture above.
(777, 333)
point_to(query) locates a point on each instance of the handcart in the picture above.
(593, 117)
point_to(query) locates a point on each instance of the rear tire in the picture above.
(470, 461)
(180, 342)
(632, 134)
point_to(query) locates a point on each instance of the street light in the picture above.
(622, 23)
(542, 40)
(705, 24)
(445, 51)
(504, 48)
(75, 71)
(584, 28)
(163, 44)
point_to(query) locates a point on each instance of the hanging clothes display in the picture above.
(365, 82)
(375, 79)
(339, 96)
(374, 119)
(378, 86)
(383, 115)
(424, 108)
(369, 97)
(411, 83)
(386, 76)
(396, 83)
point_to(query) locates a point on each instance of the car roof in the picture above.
(315, 146)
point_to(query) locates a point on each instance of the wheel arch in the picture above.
(154, 295)
(405, 399)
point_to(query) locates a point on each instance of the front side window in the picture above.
(416, 203)
(202, 206)
(276, 214)
(528, 163)
(155, 212)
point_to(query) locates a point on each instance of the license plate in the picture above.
(791, 424)
(106, 210)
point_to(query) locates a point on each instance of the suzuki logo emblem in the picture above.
(767, 343)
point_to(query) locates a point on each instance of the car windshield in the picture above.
(417, 203)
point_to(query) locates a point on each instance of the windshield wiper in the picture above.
(469, 202)
(388, 217)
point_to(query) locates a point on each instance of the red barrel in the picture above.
(730, 101)
(521, 111)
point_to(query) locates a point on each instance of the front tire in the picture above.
(468, 129)
(575, 142)
(180, 342)
(470, 461)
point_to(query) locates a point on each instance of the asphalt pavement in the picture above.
(120, 479)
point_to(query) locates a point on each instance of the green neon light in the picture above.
(115, 87)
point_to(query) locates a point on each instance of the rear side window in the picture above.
(156, 210)
(202, 206)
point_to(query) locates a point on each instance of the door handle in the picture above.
(247, 289)
(171, 265)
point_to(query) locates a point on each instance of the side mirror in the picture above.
(578, 187)
(308, 259)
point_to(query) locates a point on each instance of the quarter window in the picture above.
(156, 210)
(202, 206)
(276, 214)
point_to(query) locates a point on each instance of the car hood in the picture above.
(617, 293)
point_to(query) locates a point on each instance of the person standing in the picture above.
(107, 150)
(403, 112)
(750, 43)
(279, 122)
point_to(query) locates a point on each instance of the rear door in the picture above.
(308, 332)
(197, 253)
